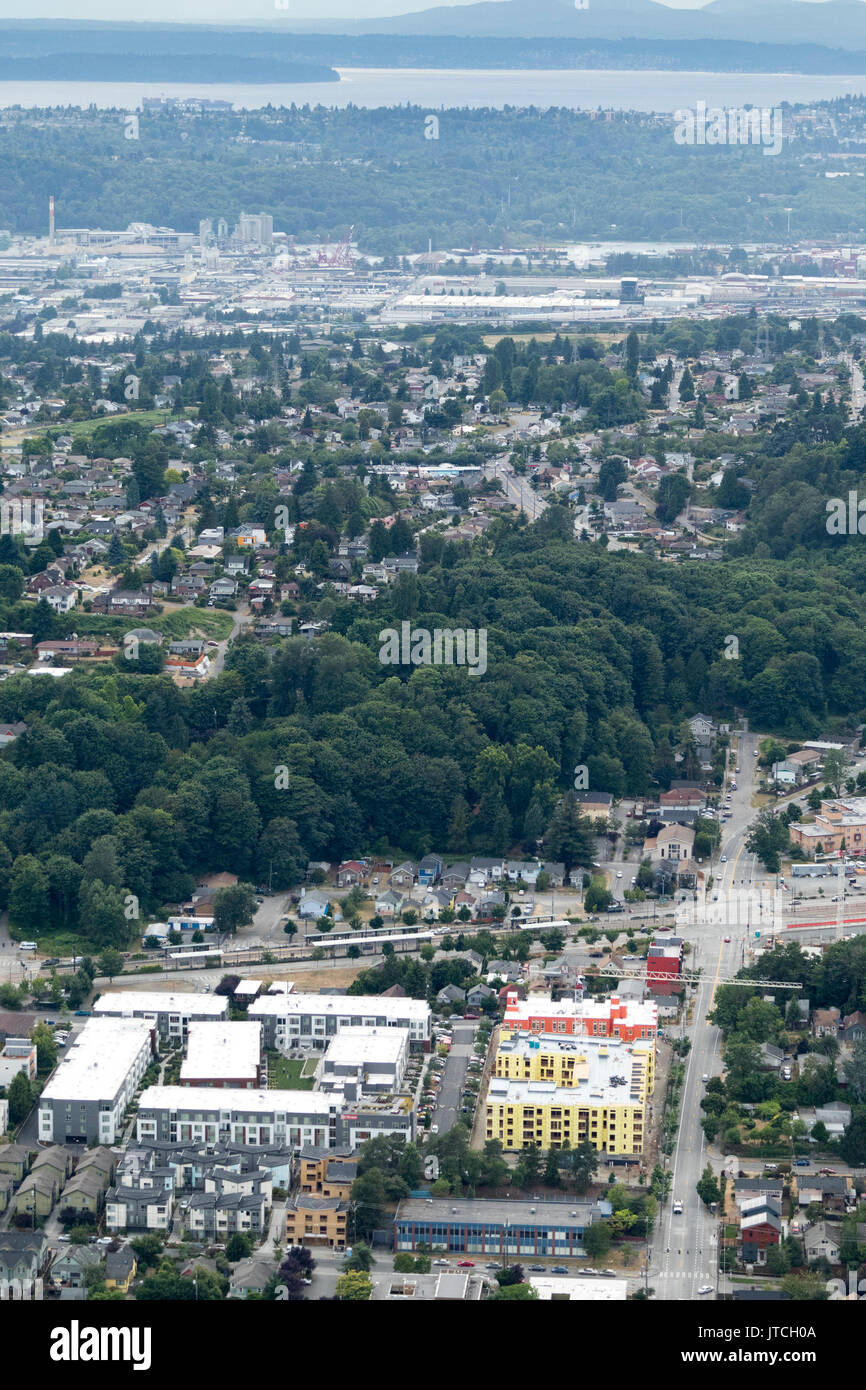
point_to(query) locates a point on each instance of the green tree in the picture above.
(708, 1186)
(20, 1098)
(514, 1293)
(597, 1240)
(356, 1286)
(110, 963)
(46, 1047)
(234, 907)
(361, 1257)
(239, 1247)
(368, 1196)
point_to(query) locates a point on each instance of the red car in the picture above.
(465, 1264)
(727, 940)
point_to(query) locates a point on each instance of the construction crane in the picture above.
(342, 256)
(691, 977)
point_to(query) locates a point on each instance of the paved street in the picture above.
(454, 1075)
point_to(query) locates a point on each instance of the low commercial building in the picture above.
(498, 1229)
(375, 1058)
(553, 1289)
(223, 1055)
(171, 1013)
(311, 1020)
(664, 965)
(556, 1098)
(87, 1096)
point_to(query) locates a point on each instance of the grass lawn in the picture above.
(285, 1074)
(212, 622)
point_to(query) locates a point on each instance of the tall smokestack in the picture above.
(51, 220)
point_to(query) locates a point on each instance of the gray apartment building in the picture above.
(171, 1014)
(309, 1021)
(86, 1098)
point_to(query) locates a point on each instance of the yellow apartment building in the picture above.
(557, 1095)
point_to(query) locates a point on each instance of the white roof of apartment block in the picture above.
(127, 1002)
(215, 1050)
(341, 1005)
(199, 1099)
(99, 1061)
(356, 1045)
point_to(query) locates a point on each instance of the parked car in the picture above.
(560, 1269)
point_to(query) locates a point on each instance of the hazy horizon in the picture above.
(256, 12)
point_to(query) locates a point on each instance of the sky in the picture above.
(238, 12)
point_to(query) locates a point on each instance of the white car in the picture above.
(705, 1077)
(724, 859)
(706, 1288)
(619, 873)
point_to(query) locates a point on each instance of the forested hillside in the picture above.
(125, 784)
(317, 169)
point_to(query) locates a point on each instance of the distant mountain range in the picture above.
(840, 22)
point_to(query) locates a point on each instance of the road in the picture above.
(447, 1108)
(218, 660)
(684, 1255)
(515, 486)
(858, 393)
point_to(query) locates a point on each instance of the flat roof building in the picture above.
(223, 1054)
(626, 1019)
(375, 1058)
(557, 1094)
(171, 1013)
(311, 1020)
(186, 1115)
(88, 1094)
(551, 1289)
(499, 1228)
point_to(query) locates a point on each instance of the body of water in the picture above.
(438, 88)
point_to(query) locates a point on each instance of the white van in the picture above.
(27, 946)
